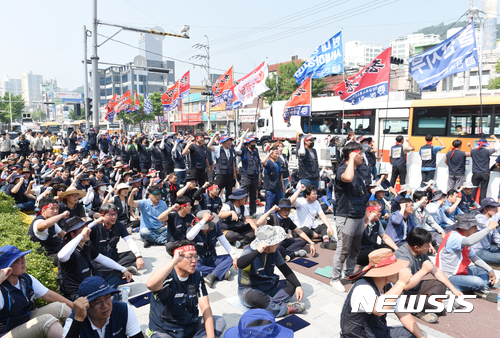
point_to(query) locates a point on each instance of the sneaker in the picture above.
(210, 279)
(287, 258)
(259, 203)
(132, 269)
(227, 275)
(488, 295)
(328, 245)
(237, 244)
(427, 317)
(147, 243)
(337, 286)
(300, 253)
(295, 308)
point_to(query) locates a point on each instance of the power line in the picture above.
(146, 13)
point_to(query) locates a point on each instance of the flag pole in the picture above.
(343, 80)
(386, 114)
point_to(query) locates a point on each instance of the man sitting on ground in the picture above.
(451, 205)
(289, 247)
(488, 249)
(179, 219)
(95, 312)
(258, 285)
(455, 255)
(401, 222)
(178, 291)
(421, 283)
(425, 221)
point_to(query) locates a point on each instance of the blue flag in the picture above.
(454, 55)
(327, 59)
(148, 106)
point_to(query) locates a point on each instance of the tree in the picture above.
(495, 83)
(39, 115)
(140, 117)
(17, 107)
(287, 84)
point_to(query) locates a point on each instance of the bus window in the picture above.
(469, 119)
(496, 126)
(396, 127)
(361, 121)
(430, 121)
(324, 125)
(460, 125)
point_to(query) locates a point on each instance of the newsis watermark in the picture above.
(415, 303)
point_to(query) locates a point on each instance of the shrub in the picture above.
(14, 231)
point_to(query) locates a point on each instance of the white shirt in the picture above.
(132, 327)
(42, 235)
(226, 207)
(307, 212)
(217, 151)
(38, 288)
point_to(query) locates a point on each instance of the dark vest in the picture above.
(261, 274)
(116, 327)
(430, 163)
(205, 246)
(228, 224)
(144, 154)
(223, 164)
(401, 160)
(123, 213)
(134, 152)
(351, 197)
(308, 166)
(208, 204)
(199, 157)
(177, 226)
(156, 156)
(272, 177)
(282, 222)
(167, 154)
(106, 241)
(174, 309)
(70, 282)
(179, 161)
(285, 171)
(370, 236)
(52, 244)
(104, 144)
(456, 164)
(357, 325)
(92, 138)
(372, 160)
(250, 162)
(16, 303)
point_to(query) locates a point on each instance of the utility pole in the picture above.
(208, 82)
(85, 80)
(10, 109)
(96, 88)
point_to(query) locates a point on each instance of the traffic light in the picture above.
(89, 105)
(207, 93)
(396, 61)
(78, 110)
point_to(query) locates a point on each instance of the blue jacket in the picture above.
(395, 227)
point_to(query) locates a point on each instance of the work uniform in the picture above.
(309, 168)
(237, 230)
(456, 168)
(250, 173)
(177, 227)
(398, 161)
(224, 172)
(198, 162)
(272, 183)
(52, 244)
(288, 246)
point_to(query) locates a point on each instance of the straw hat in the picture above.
(383, 263)
(123, 186)
(71, 191)
(118, 165)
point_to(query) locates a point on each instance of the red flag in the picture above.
(222, 88)
(299, 104)
(372, 81)
(170, 99)
(184, 86)
(111, 103)
(123, 103)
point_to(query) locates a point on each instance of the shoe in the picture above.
(210, 279)
(237, 244)
(147, 243)
(427, 317)
(132, 269)
(488, 295)
(227, 275)
(259, 203)
(287, 258)
(300, 253)
(337, 286)
(328, 245)
(295, 308)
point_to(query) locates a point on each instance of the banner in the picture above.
(325, 60)
(299, 104)
(222, 88)
(136, 106)
(111, 103)
(372, 81)
(250, 86)
(454, 55)
(148, 106)
(184, 86)
(170, 99)
(123, 103)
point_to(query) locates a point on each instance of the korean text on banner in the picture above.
(371, 82)
(111, 103)
(250, 86)
(136, 106)
(454, 55)
(327, 59)
(170, 99)
(222, 88)
(123, 103)
(299, 104)
(148, 105)
(184, 86)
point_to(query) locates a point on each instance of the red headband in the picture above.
(198, 220)
(50, 205)
(356, 151)
(183, 205)
(374, 208)
(480, 144)
(215, 186)
(388, 261)
(186, 248)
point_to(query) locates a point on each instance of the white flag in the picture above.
(251, 86)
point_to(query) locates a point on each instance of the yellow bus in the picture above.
(78, 125)
(53, 127)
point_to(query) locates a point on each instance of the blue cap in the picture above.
(225, 138)
(8, 254)
(258, 323)
(250, 139)
(94, 156)
(94, 287)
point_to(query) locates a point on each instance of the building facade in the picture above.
(31, 86)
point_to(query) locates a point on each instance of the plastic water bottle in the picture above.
(498, 302)
(125, 290)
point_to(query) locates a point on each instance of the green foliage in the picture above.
(140, 117)
(17, 107)
(39, 115)
(287, 84)
(495, 83)
(14, 229)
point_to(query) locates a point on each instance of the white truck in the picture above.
(271, 126)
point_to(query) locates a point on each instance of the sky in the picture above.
(46, 37)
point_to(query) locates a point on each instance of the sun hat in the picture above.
(123, 186)
(258, 323)
(238, 194)
(382, 263)
(363, 138)
(437, 195)
(488, 201)
(284, 203)
(269, 235)
(380, 188)
(466, 221)
(468, 185)
(99, 183)
(85, 161)
(208, 225)
(383, 172)
(94, 287)
(8, 255)
(72, 224)
(136, 179)
(71, 191)
(14, 177)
